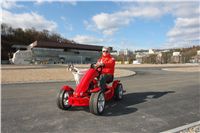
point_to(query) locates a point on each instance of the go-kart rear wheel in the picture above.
(118, 92)
(97, 103)
(63, 99)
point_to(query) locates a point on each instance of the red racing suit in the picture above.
(109, 64)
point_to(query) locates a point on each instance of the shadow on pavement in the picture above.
(117, 108)
(125, 106)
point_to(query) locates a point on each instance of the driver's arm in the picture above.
(100, 63)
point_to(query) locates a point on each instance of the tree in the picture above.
(166, 57)
(11, 36)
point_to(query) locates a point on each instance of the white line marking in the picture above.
(182, 127)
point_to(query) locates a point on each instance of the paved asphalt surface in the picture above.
(155, 101)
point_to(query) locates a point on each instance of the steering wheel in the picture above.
(97, 68)
(92, 65)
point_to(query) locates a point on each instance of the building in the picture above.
(176, 57)
(125, 52)
(196, 58)
(150, 55)
(22, 57)
(198, 52)
(42, 52)
(115, 53)
(159, 58)
(140, 56)
(151, 51)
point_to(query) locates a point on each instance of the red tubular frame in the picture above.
(81, 97)
(67, 88)
(79, 101)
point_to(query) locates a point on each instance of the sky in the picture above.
(129, 25)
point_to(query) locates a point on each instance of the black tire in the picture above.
(62, 98)
(91, 103)
(97, 103)
(118, 92)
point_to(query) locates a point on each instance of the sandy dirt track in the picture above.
(48, 73)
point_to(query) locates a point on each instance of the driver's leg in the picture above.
(103, 79)
(103, 82)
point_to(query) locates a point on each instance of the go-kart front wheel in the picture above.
(97, 103)
(118, 92)
(63, 99)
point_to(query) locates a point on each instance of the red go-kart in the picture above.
(89, 93)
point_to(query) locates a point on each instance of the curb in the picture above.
(32, 82)
(182, 128)
(187, 69)
(131, 73)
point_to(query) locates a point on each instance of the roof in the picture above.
(19, 46)
(61, 45)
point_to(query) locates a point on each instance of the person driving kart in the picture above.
(108, 64)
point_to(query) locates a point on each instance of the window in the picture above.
(76, 52)
(87, 59)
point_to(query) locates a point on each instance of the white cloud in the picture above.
(186, 14)
(184, 26)
(110, 23)
(185, 33)
(10, 4)
(185, 9)
(85, 39)
(187, 22)
(71, 2)
(186, 29)
(39, 2)
(28, 20)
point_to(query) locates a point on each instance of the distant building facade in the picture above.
(196, 58)
(176, 57)
(41, 52)
(198, 52)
